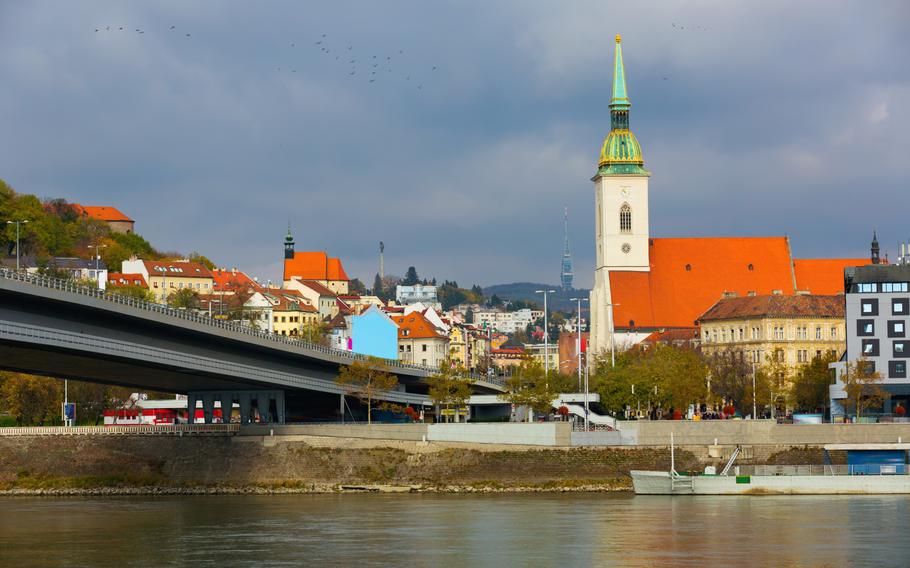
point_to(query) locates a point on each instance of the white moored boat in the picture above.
(870, 469)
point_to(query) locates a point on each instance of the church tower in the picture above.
(621, 208)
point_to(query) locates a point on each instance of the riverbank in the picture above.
(143, 465)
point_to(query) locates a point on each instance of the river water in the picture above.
(455, 530)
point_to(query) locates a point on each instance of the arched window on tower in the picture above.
(625, 218)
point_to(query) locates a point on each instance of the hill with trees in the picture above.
(55, 228)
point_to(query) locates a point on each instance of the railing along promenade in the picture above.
(227, 325)
(823, 469)
(125, 430)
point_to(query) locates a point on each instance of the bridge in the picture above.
(56, 328)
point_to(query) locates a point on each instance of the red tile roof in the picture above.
(313, 266)
(177, 269)
(102, 212)
(417, 327)
(120, 279)
(824, 275)
(232, 281)
(800, 305)
(689, 274)
(318, 288)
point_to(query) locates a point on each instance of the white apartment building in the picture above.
(507, 322)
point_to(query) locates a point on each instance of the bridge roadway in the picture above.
(54, 328)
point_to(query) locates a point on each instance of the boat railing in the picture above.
(823, 470)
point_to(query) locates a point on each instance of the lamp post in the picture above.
(97, 259)
(578, 338)
(546, 332)
(612, 336)
(754, 410)
(18, 224)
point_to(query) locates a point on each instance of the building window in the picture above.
(868, 287)
(870, 347)
(834, 333)
(864, 328)
(818, 332)
(896, 328)
(802, 356)
(625, 218)
(742, 334)
(779, 355)
(756, 333)
(802, 332)
(897, 369)
(869, 307)
(901, 349)
(899, 306)
(778, 332)
(424, 347)
(894, 287)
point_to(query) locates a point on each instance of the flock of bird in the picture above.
(367, 67)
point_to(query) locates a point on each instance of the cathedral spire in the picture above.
(620, 98)
(620, 153)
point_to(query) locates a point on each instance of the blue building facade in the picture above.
(374, 333)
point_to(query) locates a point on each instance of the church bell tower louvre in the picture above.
(621, 207)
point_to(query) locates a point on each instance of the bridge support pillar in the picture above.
(227, 406)
(208, 406)
(245, 407)
(191, 408)
(279, 407)
(263, 403)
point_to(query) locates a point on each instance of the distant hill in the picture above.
(558, 301)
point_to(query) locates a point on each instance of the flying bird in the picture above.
(187, 35)
(96, 30)
(434, 68)
(372, 80)
(172, 27)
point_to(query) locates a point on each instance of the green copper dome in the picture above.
(621, 152)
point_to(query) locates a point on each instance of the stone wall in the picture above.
(758, 432)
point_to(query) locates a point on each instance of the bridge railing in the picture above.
(124, 430)
(228, 325)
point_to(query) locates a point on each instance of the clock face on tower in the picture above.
(626, 247)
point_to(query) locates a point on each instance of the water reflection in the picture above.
(446, 530)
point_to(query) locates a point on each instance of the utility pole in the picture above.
(546, 332)
(97, 259)
(18, 224)
(381, 261)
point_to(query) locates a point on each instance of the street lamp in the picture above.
(97, 255)
(578, 337)
(546, 332)
(18, 224)
(612, 336)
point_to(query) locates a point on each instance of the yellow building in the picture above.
(291, 312)
(164, 277)
(790, 330)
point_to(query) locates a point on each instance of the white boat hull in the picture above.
(660, 483)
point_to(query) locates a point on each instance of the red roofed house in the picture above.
(419, 341)
(165, 277)
(644, 284)
(233, 281)
(117, 221)
(119, 279)
(316, 266)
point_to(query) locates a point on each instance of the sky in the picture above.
(218, 123)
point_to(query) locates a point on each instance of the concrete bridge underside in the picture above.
(63, 334)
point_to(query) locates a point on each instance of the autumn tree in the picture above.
(528, 386)
(862, 385)
(450, 388)
(30, 399)
(366, 379)
(314, 332)
(132, 291)
(184, 299)
(810, 384)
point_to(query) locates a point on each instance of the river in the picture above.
(454, 530)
